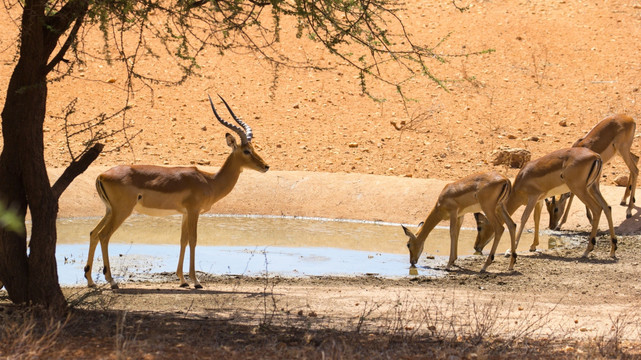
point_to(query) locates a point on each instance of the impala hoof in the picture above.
(93, 286)
(184, 285)
(627, 216)
(114, 286)
(478, 253)
(533, 249)
(198, 286)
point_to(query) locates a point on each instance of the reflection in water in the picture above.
(276, 231)
(255, 245)
(413, 270)
(555, 242)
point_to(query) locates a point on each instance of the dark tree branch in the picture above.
(63, 49)
(196, 4)
(58, 23)
(74, 169)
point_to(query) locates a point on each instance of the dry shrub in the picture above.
(28, 333)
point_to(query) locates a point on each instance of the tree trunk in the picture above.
(33, 277)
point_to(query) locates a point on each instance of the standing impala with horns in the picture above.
(157, 190)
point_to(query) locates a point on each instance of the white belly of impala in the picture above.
(155, 212)
(471, 209)
(557, 191)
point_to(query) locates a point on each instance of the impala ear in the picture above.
(231, 140)
(407, 231)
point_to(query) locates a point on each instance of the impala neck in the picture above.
(225, 179)
(430, 223)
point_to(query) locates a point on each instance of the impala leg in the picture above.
(93, 242)
(498, 232)
(628, 190)
(537, 221)
(511, 228)
(455, 227)
(184, 240)
(566, 212)
(193, 236)
(587, 198)
(524, 218)
(596, 193)
(104, 234)
(631, 161)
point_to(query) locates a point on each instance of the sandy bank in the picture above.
(331, 195)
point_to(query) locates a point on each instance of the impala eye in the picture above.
(246, 152)
(408, 245)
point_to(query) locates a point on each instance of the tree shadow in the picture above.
(139, 291)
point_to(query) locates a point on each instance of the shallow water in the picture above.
(255, 246)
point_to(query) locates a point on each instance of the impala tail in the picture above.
(595, 172)
(102, 193)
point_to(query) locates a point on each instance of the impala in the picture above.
(575, 170)
(156, 190)
(485, 192)
(612, 135)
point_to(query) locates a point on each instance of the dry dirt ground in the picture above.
(559, 67)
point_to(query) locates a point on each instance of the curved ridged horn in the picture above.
(236, 129)
(248, 130)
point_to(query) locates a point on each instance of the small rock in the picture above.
(111, 80)
(353, 145)
(204, 128)
(621, 180)
(531, 138)
(511, 137)
(297, 106)
(563, 123)
(513, 157)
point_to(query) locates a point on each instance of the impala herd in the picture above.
(554, 178)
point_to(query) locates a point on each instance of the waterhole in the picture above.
(256, 246)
